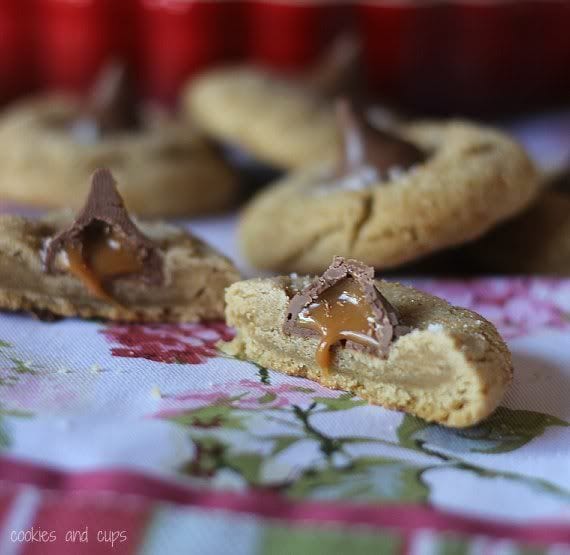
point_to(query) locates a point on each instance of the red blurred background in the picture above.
(455, 56)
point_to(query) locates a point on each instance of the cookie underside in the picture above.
(195, 278)
(452, 369)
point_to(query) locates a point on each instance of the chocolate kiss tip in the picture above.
(104, 189)
(343, 108)
(102, 181)
(348, 120)
(104, 204)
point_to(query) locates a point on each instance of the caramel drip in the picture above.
(102, 255)
(340, 313)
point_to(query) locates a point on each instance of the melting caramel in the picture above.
(340, 313)
(102, 255)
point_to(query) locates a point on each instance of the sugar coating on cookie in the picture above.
(103, 264)
(445, 364)
(472, 178)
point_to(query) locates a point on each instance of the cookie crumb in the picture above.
(155, 392)
(63, 370)
(96, 369)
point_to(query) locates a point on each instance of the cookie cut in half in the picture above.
(49, 147)
(104, 265)
(391, 344)
(390, 197)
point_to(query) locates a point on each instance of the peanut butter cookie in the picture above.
(390, 197)
(279, 121)
(50, 146)
(104, 265)
(282, 121)
(390, 344)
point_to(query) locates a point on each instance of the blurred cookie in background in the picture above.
(390, 197)
(50, 146)
(283, 121)
(536, 242)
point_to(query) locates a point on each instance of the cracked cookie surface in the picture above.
(452, 368)
(166, 170)
(473, 178)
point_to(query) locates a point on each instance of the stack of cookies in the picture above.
(358, 186)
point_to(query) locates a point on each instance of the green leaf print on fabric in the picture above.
(11, 370)
(4, 435)
(5, 439)
(267, 398)
(307, 540)
(211, 416)
(211, 455)
(281, 443)
(12, 367)
(278, 437)
(509, 429)
(248, 465)
(344, 402)
(364, 479)
(263, 375)
(504, 431)
(207, 459)
(409, 429)
(451, 545)
(22, 367)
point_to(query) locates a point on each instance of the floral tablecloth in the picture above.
(144, 439)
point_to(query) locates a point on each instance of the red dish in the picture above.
(179, 38)
(16, 48)
(75, 37)
(290, 35)
(447, 56)
(468, 55)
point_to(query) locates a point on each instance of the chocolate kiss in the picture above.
(337, 71)
(105, 206)
(387, 325)
(112, 102)
(365, 145)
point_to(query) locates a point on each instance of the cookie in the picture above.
(279, 121)
(386, 203)
(104, 265)
(50, 146)
(390, 344)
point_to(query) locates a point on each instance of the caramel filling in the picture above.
(340, 313)
(102, 255)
